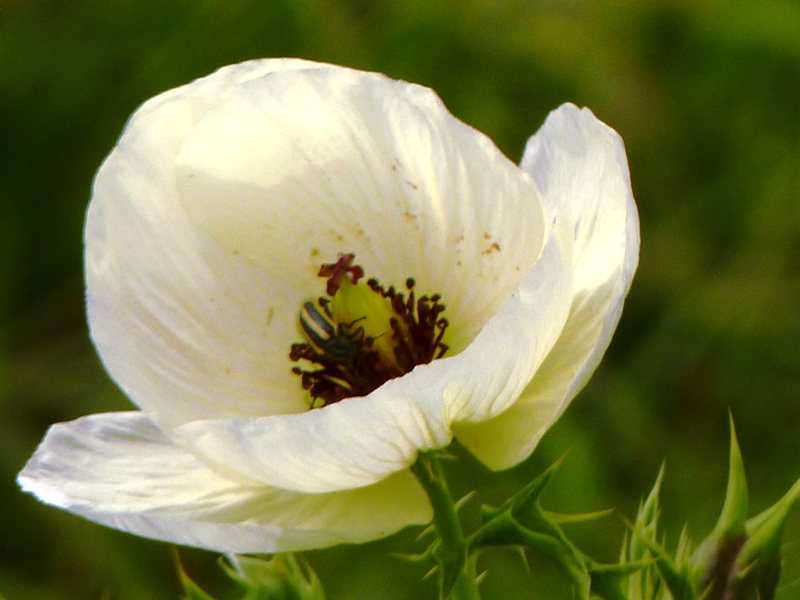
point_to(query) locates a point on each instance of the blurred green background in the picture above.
(707, 97)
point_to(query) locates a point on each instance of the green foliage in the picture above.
(282, 577)
(739, 560)
(449, 552)
(522, 522)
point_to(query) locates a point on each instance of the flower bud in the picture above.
(283, 577)
(759, 561)
(716, 560)
(740, 559)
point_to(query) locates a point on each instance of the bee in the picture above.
(336, 341)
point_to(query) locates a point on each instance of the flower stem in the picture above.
(457, 570)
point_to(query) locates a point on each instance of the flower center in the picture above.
(361, 335)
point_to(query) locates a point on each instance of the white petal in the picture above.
(213, 214)
(118, 469)
(353, 443)
(185, 328)
(359, 441)
(577, 162)
(293, 168)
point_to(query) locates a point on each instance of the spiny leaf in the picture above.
(676, 577)
(282, 577)
(732, 520)
(759, 562)
(526, 497)
(715, 560)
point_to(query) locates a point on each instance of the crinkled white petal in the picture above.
(294, 168)
(353, 443)
(222, 198)
(118, 469)
(359, 441)
(185, 328)
(579, 163)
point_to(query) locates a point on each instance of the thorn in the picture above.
(412, 558)
(428, 530)
(230, 563)
(465, 499)
(569, 518)
(524, 558)
(430, 573)
(481, 577)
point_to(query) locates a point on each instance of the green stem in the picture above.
(457, 571)
(466, 586)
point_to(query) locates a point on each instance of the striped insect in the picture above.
(335, 341)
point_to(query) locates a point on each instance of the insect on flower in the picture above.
(338, 341)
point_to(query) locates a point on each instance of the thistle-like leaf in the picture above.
(607, 580)
(715, 562)
(539, 532)
(527, 497)
(282, 577)
(646, 524)
(759, 562)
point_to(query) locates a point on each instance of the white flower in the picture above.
(207, 226)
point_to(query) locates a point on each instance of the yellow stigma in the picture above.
(356, 304)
